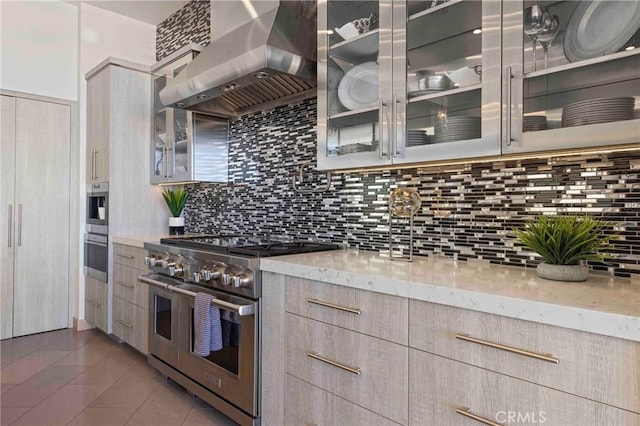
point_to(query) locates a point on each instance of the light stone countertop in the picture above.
(602, 304)
(137, 240)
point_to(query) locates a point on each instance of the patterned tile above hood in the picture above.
(467, 211)
(190, 24)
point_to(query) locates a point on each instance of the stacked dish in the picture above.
(593, 111)
(534, 122)
(359, 87)
(417, 137)
(457, 128)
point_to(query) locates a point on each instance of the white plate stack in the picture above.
(594, 111)
(454, 129)
(534, 122)
(417, 137)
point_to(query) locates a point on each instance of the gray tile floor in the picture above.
(85, 378)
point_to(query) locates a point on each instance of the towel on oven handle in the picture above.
(206, 325)
(230, 329)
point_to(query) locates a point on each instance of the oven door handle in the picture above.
(242, 310)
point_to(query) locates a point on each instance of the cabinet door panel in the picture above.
(438, 386)
(98, 127)
(381, 385)
(43, 132)
(380, 315)
(309, 405)
(127, 287)
(598, 367)
(7, 213)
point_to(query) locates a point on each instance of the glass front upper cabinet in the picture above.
(354, 51)
(405, 82)
(572, 74)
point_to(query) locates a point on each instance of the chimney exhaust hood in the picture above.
(267, 60)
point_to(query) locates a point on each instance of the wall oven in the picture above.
(96, 256)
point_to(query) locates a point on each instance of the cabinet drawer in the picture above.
(380, 386)
(127, 287)
(96, 297)
(306, 404)
(130, 324)
(129, 256)
(438, 386)
(597, 367)
(375, 314)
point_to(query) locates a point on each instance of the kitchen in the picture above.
(469, 208)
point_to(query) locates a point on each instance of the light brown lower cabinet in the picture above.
(365, 370)
(130, 301)
(445, 392)
(96, 303)
(130, 324)
(306, 404)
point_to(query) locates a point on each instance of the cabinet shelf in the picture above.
(354, 118)
(585, 63)
(624, 132)
(436, 95)
(359, 49)
(423, 13)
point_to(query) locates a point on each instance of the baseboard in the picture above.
(81, 324)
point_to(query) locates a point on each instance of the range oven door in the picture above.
(163, 324)
(232, 372)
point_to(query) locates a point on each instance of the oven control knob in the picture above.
(150, 261)
(175, 270)
(241, 281)
(218, 271)
(205, 274)
(196, 277)
(227, 279)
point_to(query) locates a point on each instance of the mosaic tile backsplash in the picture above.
(467, 212)
(190, 24)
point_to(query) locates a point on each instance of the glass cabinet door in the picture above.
(447, 80)
(181, 145)
(161, 137)
(575, 74)
(354, 55)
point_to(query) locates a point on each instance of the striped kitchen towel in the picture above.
(206, 326)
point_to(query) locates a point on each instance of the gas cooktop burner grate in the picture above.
(247, 245)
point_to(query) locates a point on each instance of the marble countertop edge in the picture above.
(599, 320)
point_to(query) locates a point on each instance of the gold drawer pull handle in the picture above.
(353, 370)
(126, 324)
(124, 284)
(543, 357)
(126, 256)
(331, 305)
(467, 413)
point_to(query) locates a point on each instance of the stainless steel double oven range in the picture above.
(226, 267)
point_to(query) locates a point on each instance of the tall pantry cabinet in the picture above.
(118, 134)
(34, 199)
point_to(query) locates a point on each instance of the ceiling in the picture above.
(150, 11)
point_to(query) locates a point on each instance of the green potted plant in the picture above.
(565, 243)
(176, 199)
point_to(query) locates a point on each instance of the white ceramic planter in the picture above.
(176, 225)
(562, 272)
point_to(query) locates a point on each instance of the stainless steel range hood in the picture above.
(267, 60)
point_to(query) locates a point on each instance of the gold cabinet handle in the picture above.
(125, 256)
(314, 355)
(467, 413)
(124, 284)
(331, 305)
(542, 357)
(126, 324)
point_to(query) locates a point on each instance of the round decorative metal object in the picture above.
(404, 202)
